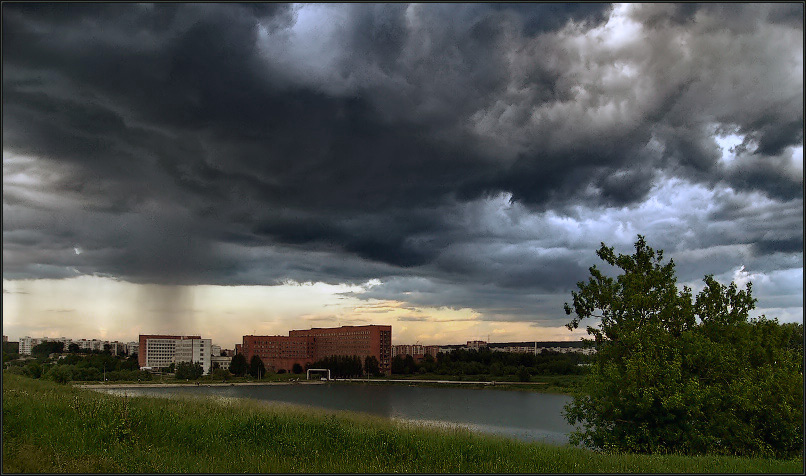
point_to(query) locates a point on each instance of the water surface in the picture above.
(527, 416)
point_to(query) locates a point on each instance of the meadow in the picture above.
(58, 428)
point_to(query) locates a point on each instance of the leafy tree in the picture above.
(74, 348)
(296, 368)
(674, 373)
(523, 374)
(189, 370)
(372, 366)
(341, 366)
(238, 365)
(221, 374)
(256, 367)
(46, 348)
(33, 370)
(60, 374)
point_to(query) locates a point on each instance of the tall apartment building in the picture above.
(307, 346)
(417, 351)
(160, 351)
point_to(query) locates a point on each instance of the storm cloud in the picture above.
(464, 155)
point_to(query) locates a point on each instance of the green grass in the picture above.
(53, 428)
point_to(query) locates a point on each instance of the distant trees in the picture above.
(296, 368)
(238, 365)
(674, 373)
(487, 362)
(46, 348)
(189, 370)
(256, 367)
(372, 366)
(341, 366)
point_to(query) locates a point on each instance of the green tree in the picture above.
(678, 374)
(60, 374)
(523, 374)
(296, 368)
(74, 348)
(238, 365)
(256, 367)
(189, 370)
(221, 374)
(372, 366)
(46, 348)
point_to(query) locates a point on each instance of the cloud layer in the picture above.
(464, 155)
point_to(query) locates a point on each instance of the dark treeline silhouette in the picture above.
(487, 362)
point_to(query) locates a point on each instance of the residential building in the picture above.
(221, 362)
(160, 351)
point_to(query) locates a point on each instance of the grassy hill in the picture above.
(53, 428)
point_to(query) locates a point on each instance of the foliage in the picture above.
(341, 366)
(296, 368)
(221, 374)
(49, 428)
(372, 366)
(46, 348)
(674, 373)
(256, 367)
(60, 374)
(523, 374)
(188, 370)
(238, 365)
(485, 361)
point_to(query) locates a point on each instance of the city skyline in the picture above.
(447, 169)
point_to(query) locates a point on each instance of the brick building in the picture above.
(307, 346)
(279, 352)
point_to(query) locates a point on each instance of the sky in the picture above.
(447, 169)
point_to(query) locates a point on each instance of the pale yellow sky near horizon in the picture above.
(99, 307)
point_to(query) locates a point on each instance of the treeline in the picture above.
(340, 366)
(348, 366)
(487, 362)
(92, 366)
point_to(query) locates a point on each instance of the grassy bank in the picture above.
(52, 428)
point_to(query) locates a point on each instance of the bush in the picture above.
(60, 374)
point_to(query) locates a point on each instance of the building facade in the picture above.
(304, 347)
(160, 351)
(363, 341)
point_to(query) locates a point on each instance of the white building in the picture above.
(133, 347)
(162, 351)
(221, 362)
(195, 350)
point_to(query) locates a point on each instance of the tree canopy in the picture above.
(238, 365)
(674, 373)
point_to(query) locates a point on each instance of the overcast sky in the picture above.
(229, 169)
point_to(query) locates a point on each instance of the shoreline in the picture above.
(304, 382)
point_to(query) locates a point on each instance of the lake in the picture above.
(527, 416)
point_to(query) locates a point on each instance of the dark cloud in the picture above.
(474, 145)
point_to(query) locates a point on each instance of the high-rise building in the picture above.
(307, 346)
(160, 351)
